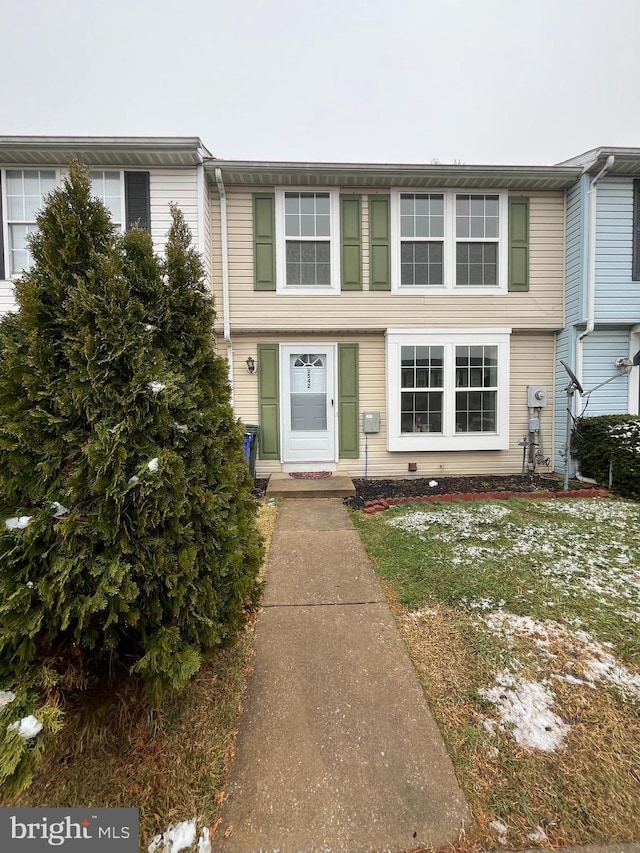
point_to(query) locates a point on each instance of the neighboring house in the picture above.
(137, 178)
(602, 287)
(418, 303)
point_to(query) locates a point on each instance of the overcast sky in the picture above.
(396, 81)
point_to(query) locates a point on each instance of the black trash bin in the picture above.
(250, 446)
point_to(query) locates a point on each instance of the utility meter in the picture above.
(536, 396)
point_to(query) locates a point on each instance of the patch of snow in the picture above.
(451, 524)
(177, 837)
(501, 830)
(538, 835)
(487, 604)
(153, 464)
(59, 509)
(134, 479)
(204, 842)
(590, 662)
(156, 387)
(6, 696)
(30, 584)
(433, 483)
(182, 427)
(421, 612)
(525, 707)
(149, 327)
(27, 727)
(18, 523)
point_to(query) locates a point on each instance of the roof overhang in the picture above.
(116, 151)
(374, 176)
(626, 161)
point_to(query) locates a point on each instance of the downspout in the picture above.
(591, 286)
(591, 265)
(224, 240)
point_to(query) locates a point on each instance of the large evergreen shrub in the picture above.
(608, 446)
(127, 541)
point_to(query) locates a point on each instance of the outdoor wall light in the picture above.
(251, 365)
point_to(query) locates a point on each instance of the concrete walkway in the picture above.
(337, 749)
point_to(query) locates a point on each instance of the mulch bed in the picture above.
(401, 491)
(372, 490)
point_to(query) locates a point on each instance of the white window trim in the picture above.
(449, 250)
(334, 243)
(449, 339)
(6, 246)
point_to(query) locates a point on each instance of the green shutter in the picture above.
(348, 412)
(264, 250)
(350, 233)
(268, 402)
(379, 240)
(519, 244)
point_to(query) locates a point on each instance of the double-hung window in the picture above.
(448, 390)
(449, 241)
(421, 239)
(107, 186)
(477, 240)
(25, 194)
(307, 248)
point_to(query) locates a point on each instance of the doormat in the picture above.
(310, 475)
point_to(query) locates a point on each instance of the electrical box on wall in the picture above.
(371, 421)
(536, 396)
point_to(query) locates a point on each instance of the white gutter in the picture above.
(591, 267)
(224, 239)
(224, 248)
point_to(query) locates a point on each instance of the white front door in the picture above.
(308, 398)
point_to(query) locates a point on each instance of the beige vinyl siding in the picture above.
(532, 362)
(173, 185)
(7, 300)
(215, 253)
(540, 308)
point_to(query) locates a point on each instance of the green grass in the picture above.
(546, 593)
(575, 561)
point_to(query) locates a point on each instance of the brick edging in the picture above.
(381, 504)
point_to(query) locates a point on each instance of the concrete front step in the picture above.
(335, 486)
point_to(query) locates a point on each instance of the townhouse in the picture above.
(385, 319)
(601, 338)
(136, 178)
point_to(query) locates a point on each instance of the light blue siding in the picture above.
(576, 251)
(565, 348)
(601, 349)
(617, 296)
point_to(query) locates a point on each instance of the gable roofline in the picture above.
(626, 160)
(385, 175)
(111, 151)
